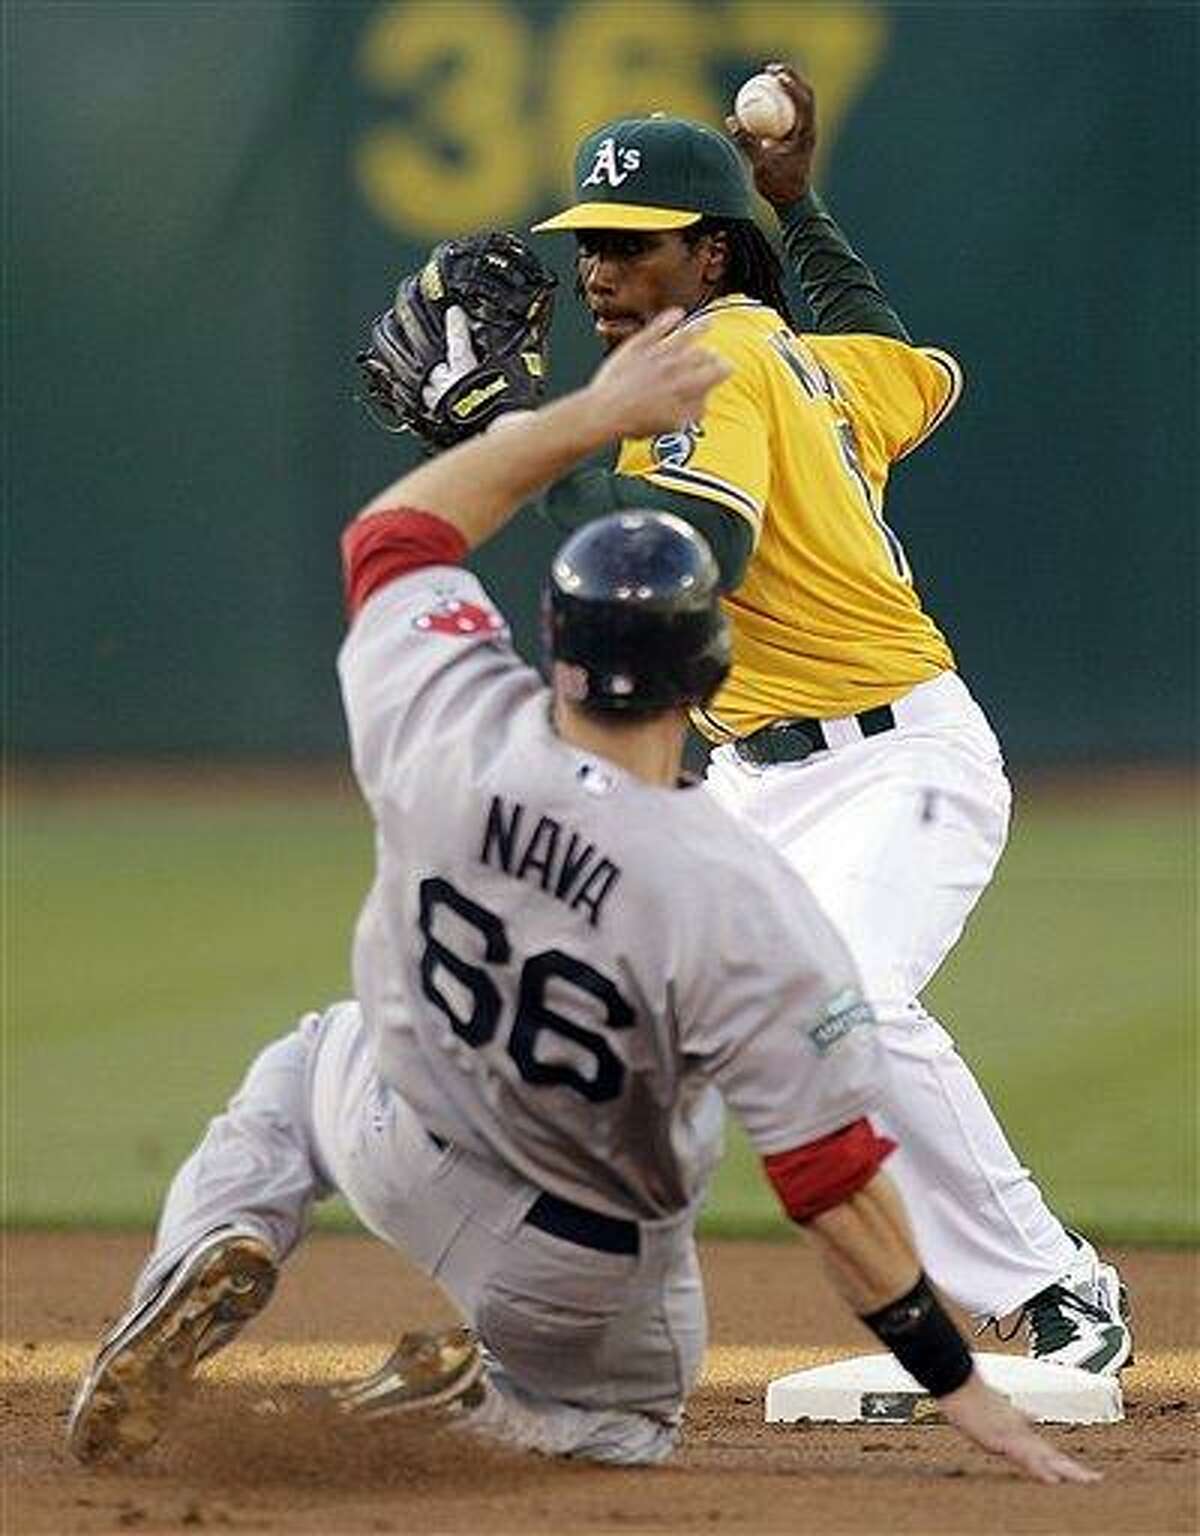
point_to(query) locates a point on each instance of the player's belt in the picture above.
(791, 741)
(575, 1223)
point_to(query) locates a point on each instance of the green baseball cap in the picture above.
(655, 173)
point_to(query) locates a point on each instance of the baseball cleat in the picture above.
(425, 1370)
(146, 1361)
(1083, 1319)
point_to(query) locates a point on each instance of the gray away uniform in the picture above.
(561, 970)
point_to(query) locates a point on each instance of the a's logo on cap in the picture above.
(611, 165)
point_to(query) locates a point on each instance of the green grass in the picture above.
(153, 943)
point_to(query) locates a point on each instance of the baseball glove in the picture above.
(464, 342)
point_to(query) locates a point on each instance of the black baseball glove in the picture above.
(464, 342)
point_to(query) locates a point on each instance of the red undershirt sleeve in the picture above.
(378, 548)
(823, 1173)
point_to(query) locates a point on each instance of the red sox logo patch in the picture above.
(453, 617)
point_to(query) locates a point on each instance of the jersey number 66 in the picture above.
(533, 1015)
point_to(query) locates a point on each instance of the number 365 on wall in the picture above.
(481, 104)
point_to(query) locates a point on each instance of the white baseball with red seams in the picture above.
(764, 108)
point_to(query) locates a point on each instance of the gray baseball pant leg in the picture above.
(590, 1353)
(254, 1166)
(593, 1352)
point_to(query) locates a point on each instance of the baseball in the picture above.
(764, 108)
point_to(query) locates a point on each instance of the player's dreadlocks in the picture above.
(754, 266)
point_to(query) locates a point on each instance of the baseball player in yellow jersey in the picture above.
(843, 733)
(853, 632)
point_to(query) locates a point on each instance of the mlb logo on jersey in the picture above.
(454, 617)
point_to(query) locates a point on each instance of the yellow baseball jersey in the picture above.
(799, 442)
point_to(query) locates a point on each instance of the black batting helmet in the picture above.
(633, 611)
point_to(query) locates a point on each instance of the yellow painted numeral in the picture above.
(485, 111)
(463, 157)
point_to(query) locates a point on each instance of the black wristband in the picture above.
(922, 1336)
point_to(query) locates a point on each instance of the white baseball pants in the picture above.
(898, 834)
(591, 1353)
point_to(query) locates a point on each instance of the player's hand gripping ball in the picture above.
(764, 108)
(464, 342)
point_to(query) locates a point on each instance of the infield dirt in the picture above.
(256, 1449)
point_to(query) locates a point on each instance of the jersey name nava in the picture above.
(799, 441)
(550, 855)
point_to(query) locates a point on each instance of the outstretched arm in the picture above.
(839, 288)
(867, 1247)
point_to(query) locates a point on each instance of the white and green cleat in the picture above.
(1083, 1319)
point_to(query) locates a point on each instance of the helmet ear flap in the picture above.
(632, 609)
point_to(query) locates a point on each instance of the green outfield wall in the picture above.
(204, 202)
